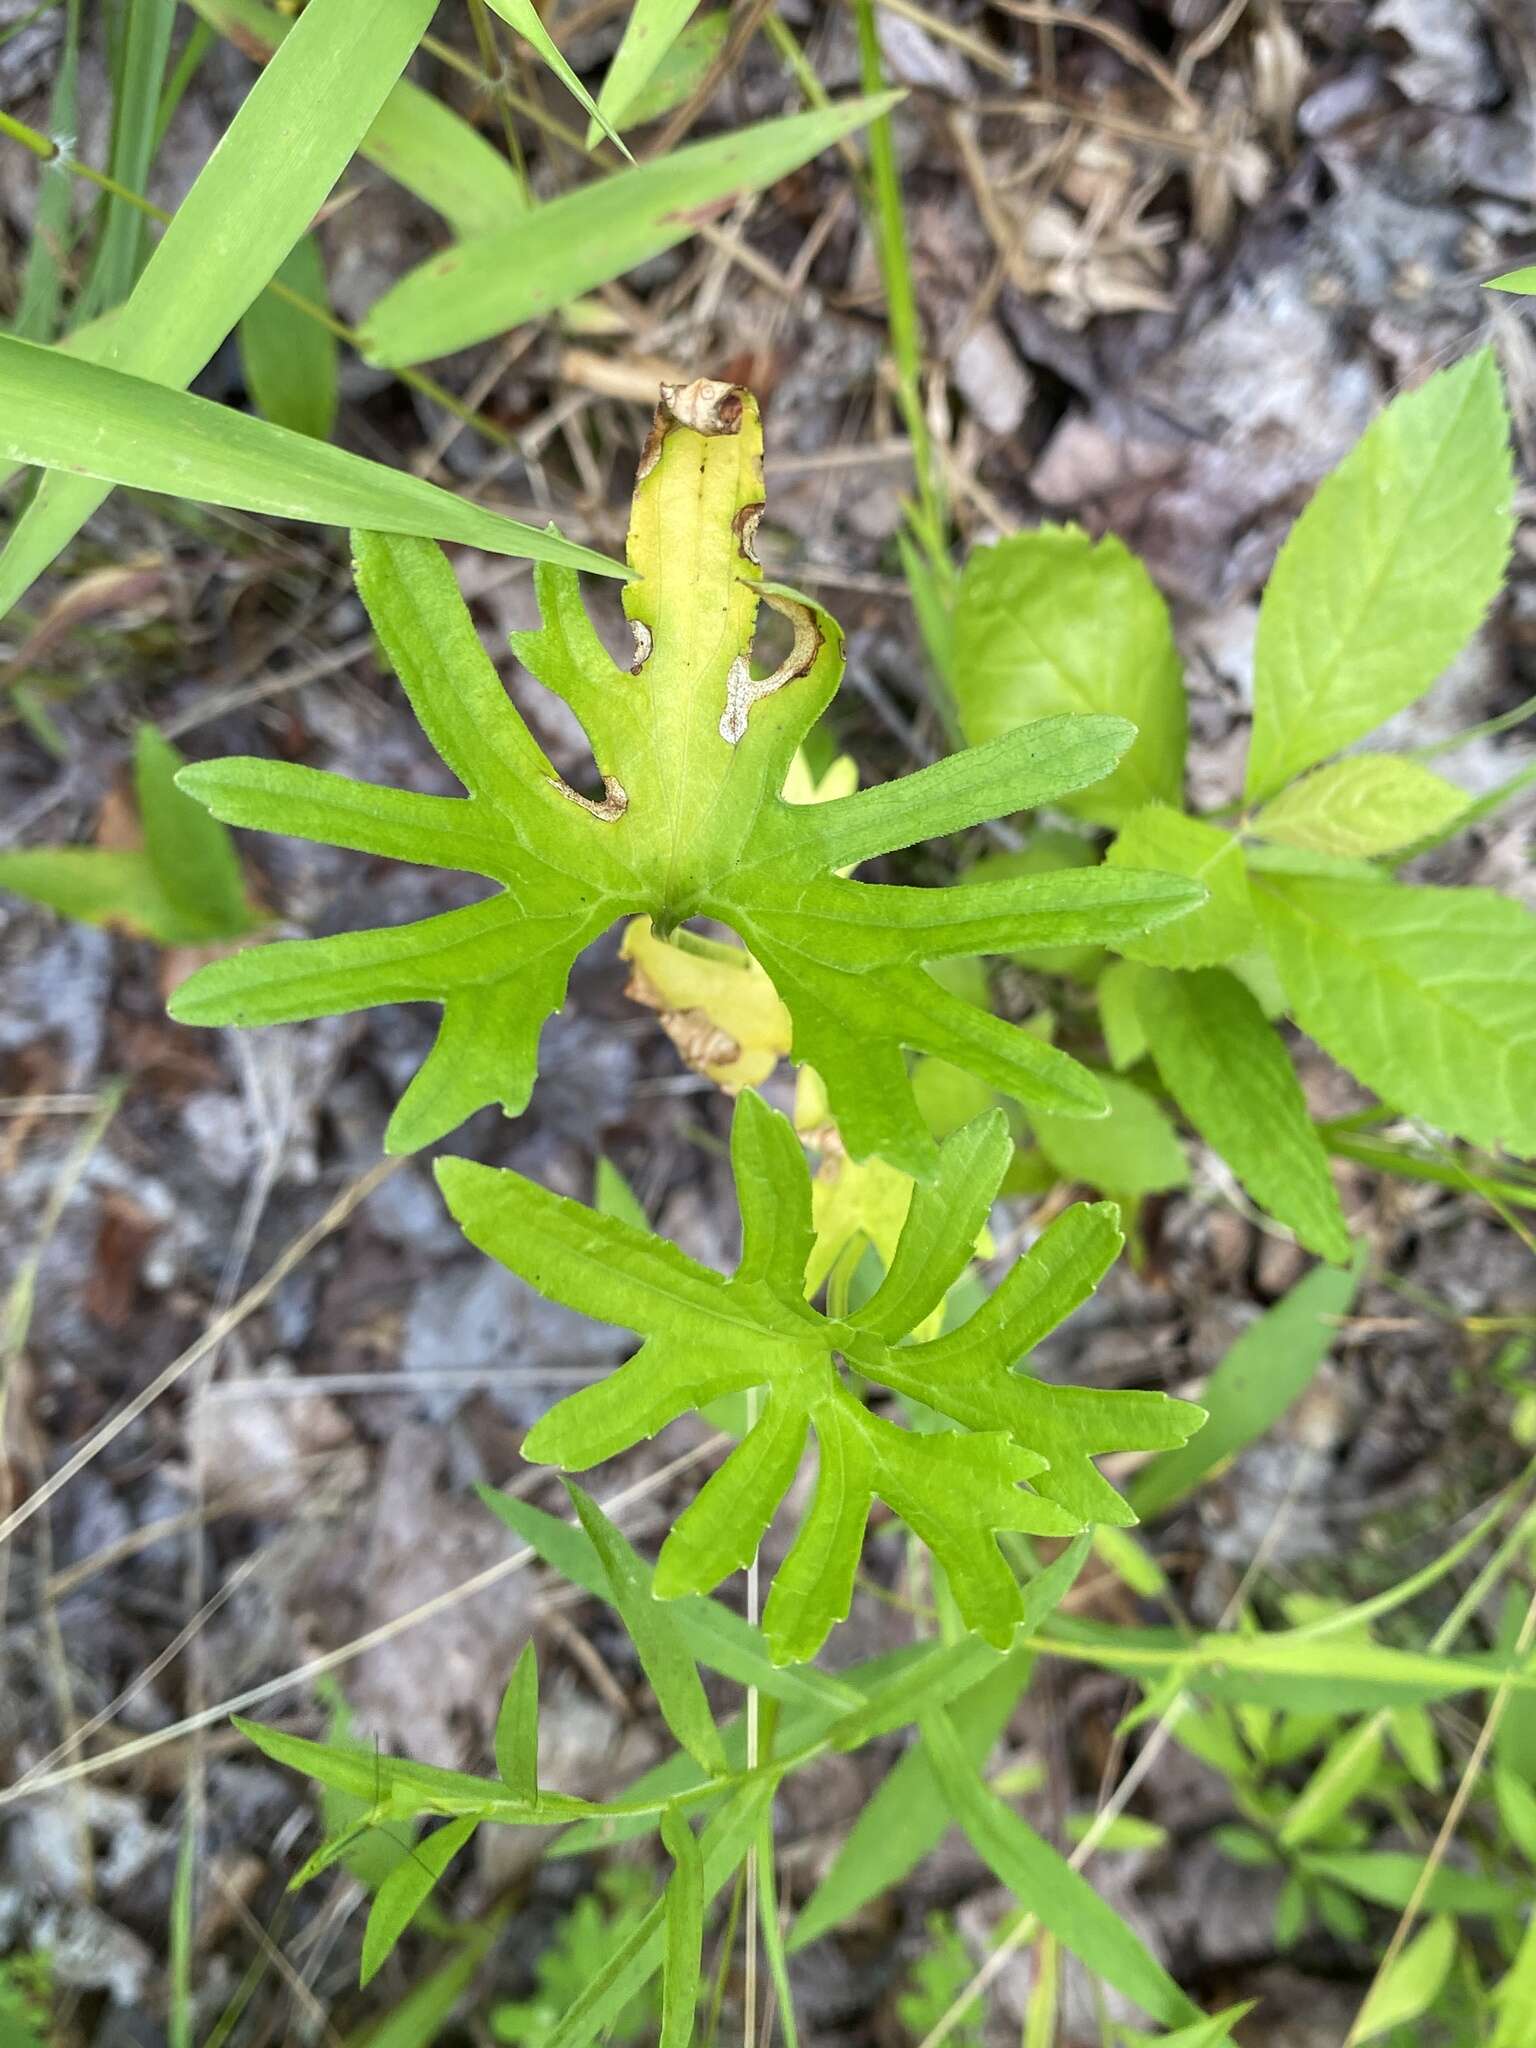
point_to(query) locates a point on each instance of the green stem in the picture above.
(1385, 1158)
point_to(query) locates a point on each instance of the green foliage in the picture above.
(693, 752)
(1051, 621)
(289, 359)
(652, 27)
(182, 887)
(600, 1921)
(935, 1981)
(706, 1337)
(26, 1995)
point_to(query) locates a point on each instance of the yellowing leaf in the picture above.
(1368, 804)
(716, 1004)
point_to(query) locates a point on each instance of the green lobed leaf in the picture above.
(1227, 1069)
(406, 1889)
(1386, 574)
(1428, 996)
(258, 192)
(1365, 805)
(416, 139)
(693, 753)
(81, 419)
(706, 1337)
(1164, 839)
(479, 288)
(290, 360)
(1267, 1369)
(1045, 1884)
(1052, 621)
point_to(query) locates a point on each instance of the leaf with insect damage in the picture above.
(1021, 1458)
(693, 749)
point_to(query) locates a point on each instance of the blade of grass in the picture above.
(651, 30)
(139, 73)
(87, 421)
(258, 192)
(289, 361)
(417, 140)
(524, 17)
(42, 282)
(477, 289)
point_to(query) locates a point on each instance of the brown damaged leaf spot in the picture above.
(706, 405)
(644, 642)
(701, 1043)
(743, 690)
(745, 526)
(615, 801)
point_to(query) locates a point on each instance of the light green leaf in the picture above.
(258, 192)
(1386, 574)
(1124, 1038)
(1522, 282)
(683, 1912)
(1407, 1990)
(517, 1729)
(693, 753)
(405, 1891)
(1428, 996)
(142, 44)
(1134, 1151)
(416, 139)
(479, 288)
(1368, 804)
(652, 28)
(1164, 839)
(1391, 1878)
(1269, 1367)
(182, 888)
(706, 1337)
(1227, 1069)
(1517, 1810)
(1515, 1996)
(658, 1640)
(908, 1814)
(524, 16)
(1052, 621)
(84, 420)
(1348, 1770)
(682, 70)
(289, 359)
(1046, 1885)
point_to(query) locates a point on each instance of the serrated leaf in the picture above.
(80, 420)
(405, 1891)
(1052, 621)
(585, 238)
(693, 752)
(1366, 805)
(1225, 1066)
(517, 1729)
(1268, 1368)
(675, 1682)
(1385, 575)
(706, 1337)
(1428, 996)
(1163, 839)
(1134, 1151)
(259, 191)
(1045, 1884)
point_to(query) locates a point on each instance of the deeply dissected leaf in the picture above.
(259, 191)
(1386, 574)
(1224, 1065)
(417, 139)
(78, 419)
(1163, 839)
(1427, 995)
(182, 887)
(1268, 1368)
(1052, 621)
(1365, 805)
(706, 1337)
(481, 287)
(693, 752)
